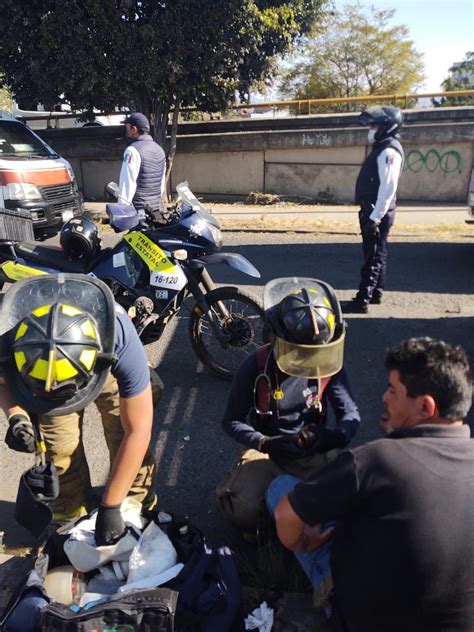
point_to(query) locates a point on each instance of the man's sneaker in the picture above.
(376, 300)
(322, 592)
(354, 307)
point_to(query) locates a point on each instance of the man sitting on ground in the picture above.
(402, 554)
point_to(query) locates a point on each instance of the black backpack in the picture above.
(31, 610)
(204, 597)
(209, 589)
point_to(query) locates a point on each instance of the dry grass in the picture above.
(279, 218)
(269, 566)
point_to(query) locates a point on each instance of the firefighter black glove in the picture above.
(280, 445)
(109, 526)
(371, 229)
(21, 435)
(321, 439)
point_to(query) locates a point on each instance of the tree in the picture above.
(461, 77)
(5, 100)
(152, 55)
(356, 52)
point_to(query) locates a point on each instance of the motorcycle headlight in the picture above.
(23, 191)
(216, 235)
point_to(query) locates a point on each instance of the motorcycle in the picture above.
(153, 269)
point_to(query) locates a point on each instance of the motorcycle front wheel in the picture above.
(240, 317)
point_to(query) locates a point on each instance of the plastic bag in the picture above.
(152, 555)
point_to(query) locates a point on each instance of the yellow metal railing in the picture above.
(301, 105)
(306, 104)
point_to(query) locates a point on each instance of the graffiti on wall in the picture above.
(446, 162)
(320, 139)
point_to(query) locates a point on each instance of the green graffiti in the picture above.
(432, 161)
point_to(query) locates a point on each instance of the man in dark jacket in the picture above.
(376, 193)
(277, 406)
(402, 554)
(142, 176)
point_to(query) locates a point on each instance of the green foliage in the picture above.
(146, 54)
(357, 52)
(461, 77)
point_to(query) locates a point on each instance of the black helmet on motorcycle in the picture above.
(388, 119)
(306, 325)
(57, 341)
(79, 239)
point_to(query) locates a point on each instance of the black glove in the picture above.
(281, 445)
(109, 526)
(370, 229)
(320, 439)
(21, 435)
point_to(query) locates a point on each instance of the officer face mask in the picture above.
(371, 134)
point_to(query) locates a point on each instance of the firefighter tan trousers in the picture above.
(63, 437)
(241, 495)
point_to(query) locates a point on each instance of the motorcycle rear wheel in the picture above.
(242, 326)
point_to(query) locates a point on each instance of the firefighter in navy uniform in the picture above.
(142, 176)
(376, 193)
(277, 406)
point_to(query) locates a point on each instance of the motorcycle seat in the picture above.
(52, 257)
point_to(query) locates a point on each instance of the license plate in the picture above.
(67, 215)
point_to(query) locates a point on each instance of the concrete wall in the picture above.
(320, 161)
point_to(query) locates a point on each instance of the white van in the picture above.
(61, 119)
(34, 178)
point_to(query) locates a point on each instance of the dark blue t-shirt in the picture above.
(131, 366)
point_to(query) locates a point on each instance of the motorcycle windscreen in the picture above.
(309, 361)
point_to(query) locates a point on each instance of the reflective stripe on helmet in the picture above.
(41, 311)
(20, 359)
(88, 357)
(88, 329)
(69, 310)
(22, 329)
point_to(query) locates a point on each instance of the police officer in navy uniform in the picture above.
(142, 176)
(376, 192)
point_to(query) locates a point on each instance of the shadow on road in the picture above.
(191, 449)
(193, 452)
(435, 267)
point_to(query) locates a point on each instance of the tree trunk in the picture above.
(142, 102)
(174, 133)
(156, 110)
(160, 114)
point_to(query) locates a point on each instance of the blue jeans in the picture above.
(316, 564)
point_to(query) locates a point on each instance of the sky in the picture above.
(442, 30)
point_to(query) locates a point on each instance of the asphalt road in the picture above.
(429, 292)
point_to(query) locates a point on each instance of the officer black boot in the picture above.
(354, 307)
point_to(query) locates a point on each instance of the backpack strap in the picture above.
(317, 402)
(262, 386)
(263, 389)
(322, 383)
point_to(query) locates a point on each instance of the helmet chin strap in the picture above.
(51, 370)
